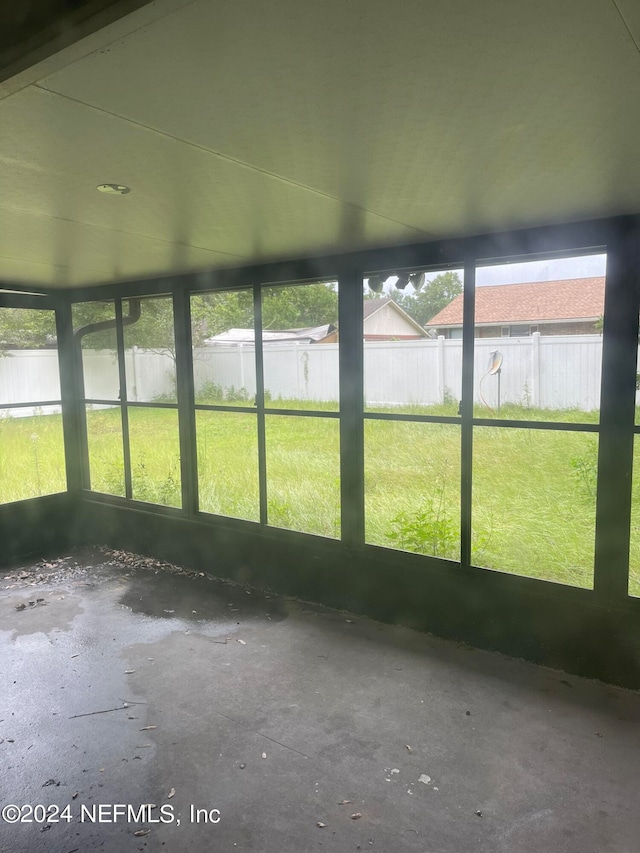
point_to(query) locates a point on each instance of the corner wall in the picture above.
(32, 528)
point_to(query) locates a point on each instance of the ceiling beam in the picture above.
(33, 31)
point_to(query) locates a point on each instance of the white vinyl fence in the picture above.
(551, 372)
(543, 372)
(27, 376)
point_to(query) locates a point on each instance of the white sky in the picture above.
(549, 270)
(519, 273)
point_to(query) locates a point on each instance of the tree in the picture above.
(26, 328)
(282, 308)
(297, 307)
(211, 313)
(433, 297)
(154, 329)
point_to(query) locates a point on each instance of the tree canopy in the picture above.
(211, 313)
(26, 328)
(283, 307)
(432, 298)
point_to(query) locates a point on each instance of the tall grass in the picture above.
(155, 456)
(31, 457)
(104, 437)
(533, 491)
(303, 474)
(533, 504)
(227, 445)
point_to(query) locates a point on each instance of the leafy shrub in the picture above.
(585, 471)
(213, 393)
(431, 530)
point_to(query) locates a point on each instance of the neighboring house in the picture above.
(567, 307)
(382, 320)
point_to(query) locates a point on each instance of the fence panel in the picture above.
(149, 375)
(570, 370)
(27, 375)
(226, 367)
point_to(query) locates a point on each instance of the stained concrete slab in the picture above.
(132, 683)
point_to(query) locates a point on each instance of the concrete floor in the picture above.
(290, 720)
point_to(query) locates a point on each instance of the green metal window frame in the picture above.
(619, 238)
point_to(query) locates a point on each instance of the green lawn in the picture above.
(533, 491)
(31, 457)
(534, 502)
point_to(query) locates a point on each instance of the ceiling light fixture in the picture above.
(113, 189)
(403, 280)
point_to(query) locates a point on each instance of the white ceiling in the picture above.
(251, 130)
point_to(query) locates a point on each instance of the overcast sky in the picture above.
(519, 273)
(585, 267)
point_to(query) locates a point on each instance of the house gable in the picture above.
(384, 319)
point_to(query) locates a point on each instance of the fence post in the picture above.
(241, 353)
(535, 370)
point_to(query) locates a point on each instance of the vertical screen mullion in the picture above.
(262, 457)
(123, 401)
